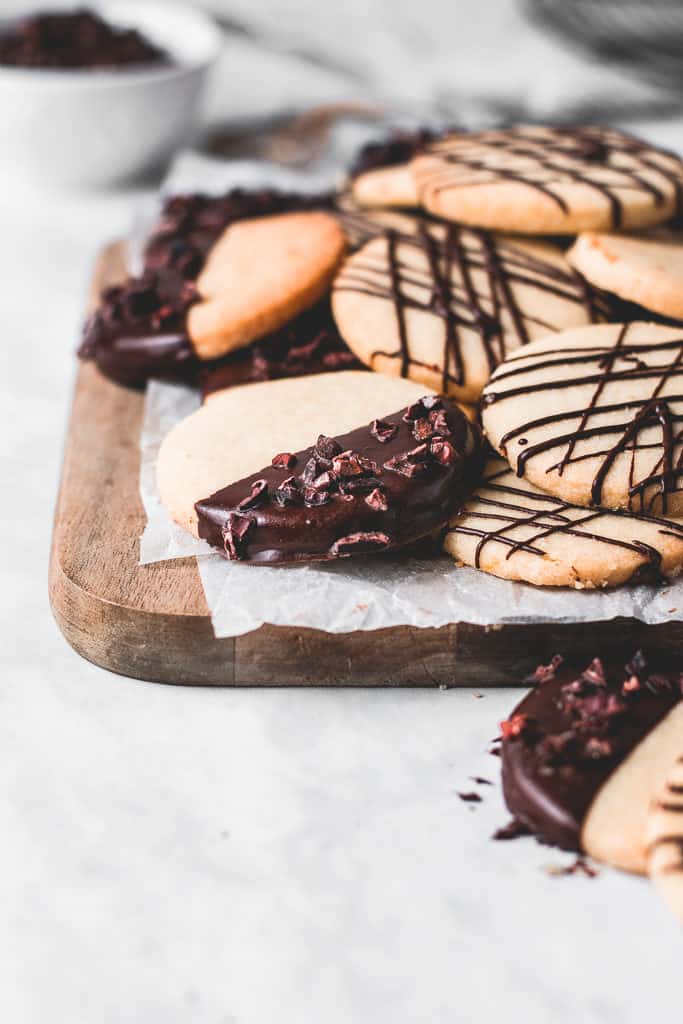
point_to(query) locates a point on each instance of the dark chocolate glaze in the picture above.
(367, 507)
(465, 250)
(606, 363)
(568, 736)
(589, 150)
(138, 330)
(308, 344)
(514, 505)
(75, 39)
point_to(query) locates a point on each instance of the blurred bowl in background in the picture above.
(99, 127)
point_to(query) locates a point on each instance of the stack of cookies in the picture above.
(495, 274)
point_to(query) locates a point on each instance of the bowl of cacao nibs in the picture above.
(94, 96)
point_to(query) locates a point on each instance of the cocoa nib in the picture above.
(377, 500)
(288, 493)
(410, 463)
(356, 542)
(443, 451)
(420, 410)
(544, 673)
(235, 533)
(285, 460)
(313, 498)
(326, 448)
(383, 431)
(257, 497)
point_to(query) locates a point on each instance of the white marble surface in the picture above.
(187, 855)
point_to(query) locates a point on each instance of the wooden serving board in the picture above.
(152, 622)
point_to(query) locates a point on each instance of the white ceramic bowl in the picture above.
(94, 128)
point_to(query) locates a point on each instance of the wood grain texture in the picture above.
(151, 622)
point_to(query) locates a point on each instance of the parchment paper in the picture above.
(364, 593)
(351, 594)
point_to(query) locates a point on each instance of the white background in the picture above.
(172, 855)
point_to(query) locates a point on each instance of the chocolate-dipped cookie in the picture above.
(585, 752)
(237, 473)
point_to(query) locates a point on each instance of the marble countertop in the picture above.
(245, 857)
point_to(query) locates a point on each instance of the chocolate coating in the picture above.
(308, 344)
(571, 735)
(347, 498)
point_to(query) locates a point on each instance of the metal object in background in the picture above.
(646, 35)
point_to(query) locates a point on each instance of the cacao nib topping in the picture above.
(288, 493)
(258, 496)
(326, 448)
(360, 541)
(75, 39)
(339, 501)
(421, 409)
(570, 733)
(237, 528)
(377, 500)
(285, 460)
(383, 431)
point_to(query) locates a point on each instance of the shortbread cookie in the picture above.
(664, 833)
(234, 434)
(381, 174)
(444, 306)
(260, 274)
(583, 755)
(644, 269)
(308, 344)
(511, 529)
(379, 487)
(549, 180)
(592, 415)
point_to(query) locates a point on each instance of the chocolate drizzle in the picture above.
(374, 489)
(540, 516)
(445, 287)
(569, 734)
(611, 163)
(630, 362)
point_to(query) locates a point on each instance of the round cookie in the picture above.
(538, 180)
(444, 305)
(240, 429)
(664, 833)
(260, 274)
(645, 269)
(592, 415)
(584, 753)
(511, 529)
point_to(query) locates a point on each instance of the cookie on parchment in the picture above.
(259, 275)
(511, 529)
(644, 269)
(664, 832)
(443, 305)
(593, 415)
(239, 430)
(542, 180)
(585, 752)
